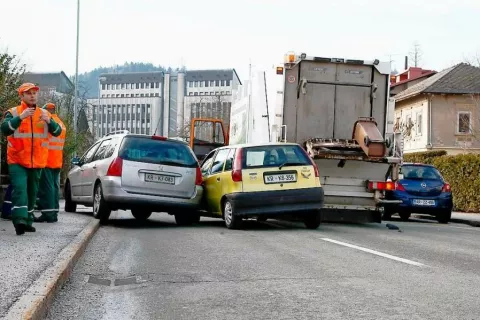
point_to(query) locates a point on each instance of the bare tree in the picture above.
(416, 54)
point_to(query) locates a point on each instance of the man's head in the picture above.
(28, 92)
(50, 107)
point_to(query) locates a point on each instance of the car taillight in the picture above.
(115, 168)
(446, 188)
(399, 187)
(237, 166)
(199, 178)
(381, 185)
(159, 138)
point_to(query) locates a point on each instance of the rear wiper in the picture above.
(286, 163)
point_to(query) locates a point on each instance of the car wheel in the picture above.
(444, 216)
(313, 220)
(101, 210)
(404, 215)
(70, 206)
(232, 221)
(387, 214)
(141, 215)
(187, 218)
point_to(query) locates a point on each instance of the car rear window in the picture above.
(274, 156)
(421, 173)
(145, 149)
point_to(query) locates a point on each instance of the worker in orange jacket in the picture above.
(27, 128)
(49, 190)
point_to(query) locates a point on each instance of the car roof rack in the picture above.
(117, 132)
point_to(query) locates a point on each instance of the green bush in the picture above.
(461, 171)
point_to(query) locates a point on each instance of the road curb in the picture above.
(473, 223)
(36, 300)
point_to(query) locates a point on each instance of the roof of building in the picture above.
(210, 75)
(131, 77)
(58, 80)
(426, 74)
(462, 78)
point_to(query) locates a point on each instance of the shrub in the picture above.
(461, 171)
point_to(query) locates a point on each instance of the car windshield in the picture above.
(274, 156)
(146, 149)
(421, 173)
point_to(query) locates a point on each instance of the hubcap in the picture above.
(228, 213)
(96, 201)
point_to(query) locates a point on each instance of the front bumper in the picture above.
(277, 203)
(118, 198)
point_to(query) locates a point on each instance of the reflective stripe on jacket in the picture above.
(28, 145)
(55, 146)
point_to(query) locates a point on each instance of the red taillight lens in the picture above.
(159, 138)
(237, 166)
(199, 178)
(115, 168)
(315, 167)
(399, 187)
(381, 185)
(446, 188)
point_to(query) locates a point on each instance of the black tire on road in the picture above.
(101, 210)
(444, 216)
(141, 215)
(313, 220)
(232, 221)
(404, 215)
(70, 206)
(187, 218)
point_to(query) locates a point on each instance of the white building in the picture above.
(143, 103)
(164, 103)
(209, 94)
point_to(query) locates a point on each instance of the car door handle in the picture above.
(218, 178)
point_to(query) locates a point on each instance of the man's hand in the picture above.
(28, 112)
(45, 116)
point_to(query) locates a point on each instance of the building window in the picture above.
(212, 83)
(222, 93)
(109, 87)
(128, 85)
(157, 94)
(216, 93)
(190, 84)
(206, 83)
(229, 83)
(157, 85)
(228, 93)
(419, 124)
(195, 93)
(223, 83)
(195, 84)
(201, 84)
(464, 122)
(122, 95)
(190, 93)
(103, 86)
(138, 85)
(217, 83)
(123, 85)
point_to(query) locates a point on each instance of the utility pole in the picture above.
(75, 102)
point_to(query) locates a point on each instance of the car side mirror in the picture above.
(76, 161)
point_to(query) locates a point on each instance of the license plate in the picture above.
(421, 202)
(159, 178)
(280, 178)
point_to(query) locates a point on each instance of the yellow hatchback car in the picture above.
(262, 181)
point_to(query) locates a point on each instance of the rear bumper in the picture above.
(442, 202)
(277, 203)
(118, 198)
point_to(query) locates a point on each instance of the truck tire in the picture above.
(313, 221)
(141, 215)
(404, 215)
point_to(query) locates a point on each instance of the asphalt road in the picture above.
(274, 270)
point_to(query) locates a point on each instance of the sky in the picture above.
(232, 33)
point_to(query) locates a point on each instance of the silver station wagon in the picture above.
(141, 173)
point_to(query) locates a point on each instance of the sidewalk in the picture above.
(472, 219)
(23, 259)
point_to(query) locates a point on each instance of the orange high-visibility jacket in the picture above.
(55, 146)
(28, 145)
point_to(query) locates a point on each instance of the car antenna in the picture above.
(156, 128)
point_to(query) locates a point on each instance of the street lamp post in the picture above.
(75, 105)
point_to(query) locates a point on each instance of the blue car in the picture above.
(422, 189)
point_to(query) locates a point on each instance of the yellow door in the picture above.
(213, 182)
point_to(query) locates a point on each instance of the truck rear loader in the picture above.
(339, 111)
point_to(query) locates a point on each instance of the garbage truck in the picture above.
(339, 110)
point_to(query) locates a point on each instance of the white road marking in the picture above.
(381, 254)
